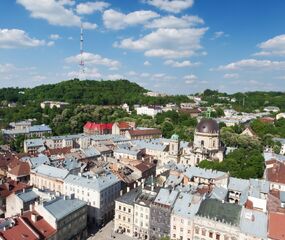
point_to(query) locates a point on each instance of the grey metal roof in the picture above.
(34, 142)
(50, 171)
(158, 144)
(203, 173)
(187, 205)
(166, 197)
(27, 196)
(97, 183)
(115, 138)
(130, 197)
(90, 152)
(219, 193)
(39, 160)
(220, 211)
(253, 223)
(237, 184)
(61, 207)
(257, 187)
(133, 152)
(39, 128)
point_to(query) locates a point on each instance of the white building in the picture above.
(98, 191)
(149, 111)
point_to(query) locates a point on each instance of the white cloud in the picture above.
(89, 73)
(175, 22)
(161, 77)
(273, 46)
(116, 20)
(132, 73)
(50, 43)
(219, 35)
(231, 75)
(94, 59)
(174, 6)
(167, 42)
(54, 36)
(16, 38)
(54, 12)
(167, 53)
(189, 79)
(177, 64)
(147, 63)
(144, 75)
(91, 7)
(253, 64)
(115, 77)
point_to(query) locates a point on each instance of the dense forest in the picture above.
(247, 101)
(87, 92)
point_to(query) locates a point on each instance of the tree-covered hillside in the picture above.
(87, 92)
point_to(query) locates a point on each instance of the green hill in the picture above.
(87, 92)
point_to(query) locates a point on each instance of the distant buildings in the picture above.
(151, 111)
(53, 104)
(272, 109)
(25, 128)
(92, 128)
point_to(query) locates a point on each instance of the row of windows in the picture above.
(212, 235)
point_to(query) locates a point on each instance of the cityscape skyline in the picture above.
(174, 47)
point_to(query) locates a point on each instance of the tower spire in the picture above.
(81, 64)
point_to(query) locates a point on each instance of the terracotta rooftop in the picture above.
(40, 226)
(20, 231)
(12, 186)
(143, 132)
(124, 125)
(58, 151)
(22, 169)
(276, 230)
(144, 167)
(276, 173)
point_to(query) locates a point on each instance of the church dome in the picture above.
(175, 137)
(207, 125)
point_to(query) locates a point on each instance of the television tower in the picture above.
(81, 64)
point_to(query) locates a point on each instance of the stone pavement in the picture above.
(106, 233)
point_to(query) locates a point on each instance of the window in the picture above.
(204, 232)
(210, 234)
(218, 236)
(196, 230)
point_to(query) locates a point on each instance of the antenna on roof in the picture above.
(82, 63)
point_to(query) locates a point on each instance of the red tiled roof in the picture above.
(142, 132)
(144, 167)
(40, 226)
(98, 126)
(19, 231)
(22, 169)
(276, 229)
(12, 186)
(267, 120)
(58, 151)
(124, 125)
(276, 173)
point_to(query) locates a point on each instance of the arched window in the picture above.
(202, 143)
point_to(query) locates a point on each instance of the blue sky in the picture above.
(172, 46)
